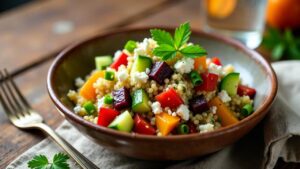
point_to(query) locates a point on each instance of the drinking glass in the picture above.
(239, 19)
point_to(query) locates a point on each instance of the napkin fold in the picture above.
(277, 136)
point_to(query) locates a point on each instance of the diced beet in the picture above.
(160, 71)
(122, 98)
(192, 127)
(198, 104)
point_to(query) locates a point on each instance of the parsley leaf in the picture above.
(182, 35)
(165, 51)
(59, 161)
(193, 51)
(162, 37)
(169, 46)
(38, 162)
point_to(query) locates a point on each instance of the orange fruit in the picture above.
(220, 8)
(283, 13)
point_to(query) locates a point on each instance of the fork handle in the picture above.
(76, 155)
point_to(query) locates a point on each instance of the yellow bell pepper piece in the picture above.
(226, 115)
(166, 123)
(200, 63)
(87, 90)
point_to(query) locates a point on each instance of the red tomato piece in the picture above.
(121, 60)
(106, 116)
(245, 90)
(216, 61)
(169, 99)
(210, 82)
(142, 126)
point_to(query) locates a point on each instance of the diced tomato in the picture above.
(192, 127)
(121, 60)
(210, 82)
(245, 90)
(216, 61)
(142, 126)
(106, 116)
(169, 99)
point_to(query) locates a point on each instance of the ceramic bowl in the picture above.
(78, 61)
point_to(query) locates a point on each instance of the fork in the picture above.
(23, 116)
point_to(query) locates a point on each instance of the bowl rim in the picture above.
(262, 109)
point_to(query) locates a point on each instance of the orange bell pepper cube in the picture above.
(200, 63)
(226, 115)
(87, 90)
(166, 123)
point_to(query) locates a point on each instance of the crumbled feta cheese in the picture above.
(184, 65)
(170, 112)
(140, 77)
(223, 95)
(215, 69)
(117, 54)
(77, 109)
(156, 107)
(174, 114)
(213, 109)
(144, 47)
(183, 111)
(206, 127)
(122, 75)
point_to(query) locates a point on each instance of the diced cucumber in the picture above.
(230, 83)
(140, 102)
(130, 45)
(141, 63)
(123, 122)
(103, 61)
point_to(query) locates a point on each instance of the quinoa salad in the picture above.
(162, 86)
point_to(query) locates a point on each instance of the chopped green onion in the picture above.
(108, 99)
(130, 46)
(195, 78)
(89, 107)
(247, 110)
(183, 129)
(109, 75)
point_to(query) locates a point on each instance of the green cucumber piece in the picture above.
(103, 61)
(140, 101)
(230, 83)
(130, 46)
(141, 63)
(123, 122)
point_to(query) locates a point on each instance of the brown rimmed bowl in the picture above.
(78, 60)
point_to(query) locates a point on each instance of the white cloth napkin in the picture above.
(277, 136)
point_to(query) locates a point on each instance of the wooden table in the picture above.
(31, 36)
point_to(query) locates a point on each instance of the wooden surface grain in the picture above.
(28, 43)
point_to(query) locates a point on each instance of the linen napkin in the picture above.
(277, 136)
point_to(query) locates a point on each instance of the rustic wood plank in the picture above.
(39, 29)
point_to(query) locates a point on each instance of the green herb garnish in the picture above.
(282, 44)
(169, 47)
(59, 161)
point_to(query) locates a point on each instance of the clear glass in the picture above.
(239, 19)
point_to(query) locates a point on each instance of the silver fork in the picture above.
(23, 116)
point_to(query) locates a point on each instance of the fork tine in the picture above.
(5, 102)
(16, 103)
(18, 92)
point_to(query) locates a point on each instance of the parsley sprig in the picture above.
(59, 161)
(169, 47)
(282, 45)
